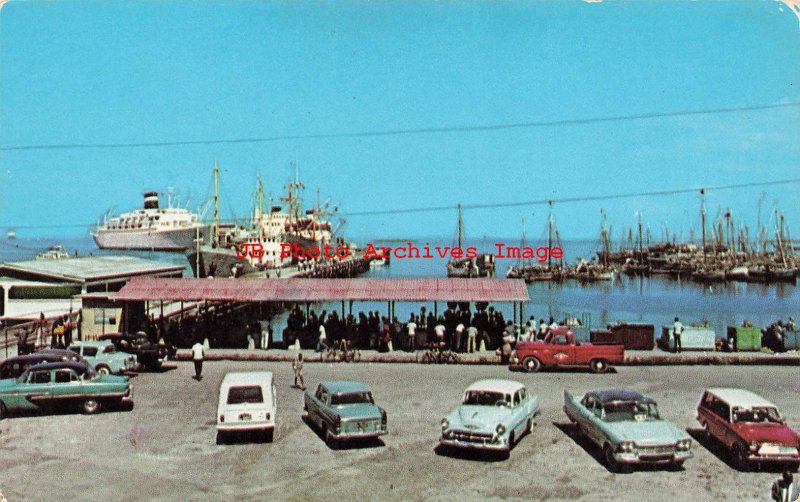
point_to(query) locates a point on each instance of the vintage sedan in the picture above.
(148, 354)
(493, 415)
(749, 427)
(63, 385)
(344, 410)
(628, 427)
(16, 366)
(104, 357)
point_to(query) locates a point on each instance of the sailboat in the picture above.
(480, 266)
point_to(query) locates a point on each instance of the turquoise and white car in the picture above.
(343, 410)
(628, 427)
(493, 415)
(104, 357)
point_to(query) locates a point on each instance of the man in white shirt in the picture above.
(677, 331)
(457, 337)
(322, 344)
(198, 354)
(472, 334)
(412, 334)
(439, 330)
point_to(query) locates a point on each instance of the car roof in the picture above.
(343, 386)
(91, 343)
(740, 397)
(79, 367)
(32, 357)
(611, 395)
(496, 384)
(245, 378)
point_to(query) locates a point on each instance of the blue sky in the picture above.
(95, 73)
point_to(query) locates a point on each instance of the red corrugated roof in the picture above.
(316, 290)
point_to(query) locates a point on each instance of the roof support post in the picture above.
(342, 309)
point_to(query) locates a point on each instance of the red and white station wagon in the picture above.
(749, 426)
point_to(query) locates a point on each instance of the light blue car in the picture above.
(493, 415)
(628, 427)
(104, 357)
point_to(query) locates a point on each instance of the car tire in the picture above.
(103, 369)
(529, 426)
(511, 441)
(740, 458)
(3, 410)
(611, 462)
(532, 364)
(598, 365)
(91, 406)
(221, 437)
(268, 435)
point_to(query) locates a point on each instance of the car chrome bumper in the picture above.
(356, 435)
(653, 458)
(472, 445)
(777, 458)
(245, 426)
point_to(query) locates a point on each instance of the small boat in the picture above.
(53, 253)
(708, 275)
(737, 274)
(11, 234)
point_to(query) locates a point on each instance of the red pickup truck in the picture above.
(559, 349)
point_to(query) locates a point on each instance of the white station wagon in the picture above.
(246, 403)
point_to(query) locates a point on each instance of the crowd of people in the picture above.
(458, 328)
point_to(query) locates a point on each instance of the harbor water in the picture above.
(654, 300)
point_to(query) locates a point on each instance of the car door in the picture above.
(519, 412)
(34, 392)
(65, 386)
(592, 410)
(562, 352)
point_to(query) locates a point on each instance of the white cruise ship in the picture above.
(151, 228)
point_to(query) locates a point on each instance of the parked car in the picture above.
(63, 384)
(629, 428)
(148, 354)
(104, 358)
(16, 366)
(344, 410)
(749, 427)
(246, 403)
(64, 354)
(493, 415)
(559, 349)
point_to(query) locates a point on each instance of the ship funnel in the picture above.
(151, 200)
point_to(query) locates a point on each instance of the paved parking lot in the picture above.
(165, 448)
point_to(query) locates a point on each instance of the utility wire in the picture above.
(400, 132)
(566, 200)
(539, 202)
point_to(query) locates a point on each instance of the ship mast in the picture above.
(460, 225)
(550, 236)
(216, 201)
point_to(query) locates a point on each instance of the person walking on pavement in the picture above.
(297, 367)
(677, 331)
(198, 354)
(784, 489)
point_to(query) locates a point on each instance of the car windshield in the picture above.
(245, 394)
(352, 398)
(630, 410)
(486, 398)
(756, 415)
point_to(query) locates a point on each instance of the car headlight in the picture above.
(626, 446)
(683, 445)
(500, 428)
(445, 423)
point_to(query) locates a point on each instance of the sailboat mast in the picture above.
(703, 219)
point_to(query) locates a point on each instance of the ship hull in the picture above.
(218, 262)
(178, 239)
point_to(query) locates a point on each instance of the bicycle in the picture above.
(435, 354)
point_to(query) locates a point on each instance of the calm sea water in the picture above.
(655, 300)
